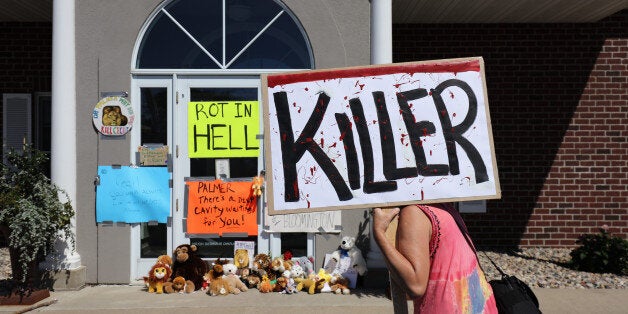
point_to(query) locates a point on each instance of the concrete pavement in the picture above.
(134, 299)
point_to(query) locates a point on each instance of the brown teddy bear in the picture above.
(188, 265)
(179, 285)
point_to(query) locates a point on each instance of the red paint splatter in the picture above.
(454, 114)
(312, 170)
(430, 93)
(333, 145)
(422, 195)
(411, 69)
(307, 89)
(430, 152)
(322, 142)
(308, 204)
(451, 95)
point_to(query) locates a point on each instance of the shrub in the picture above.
(34, 211)
(601, 253)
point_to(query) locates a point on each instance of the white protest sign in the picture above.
(378, 136)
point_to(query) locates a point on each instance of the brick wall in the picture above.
(558, 96)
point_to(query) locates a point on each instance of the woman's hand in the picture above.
(382, 217)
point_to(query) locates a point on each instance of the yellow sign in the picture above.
(223, 129)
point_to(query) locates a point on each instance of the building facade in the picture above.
(557, 92)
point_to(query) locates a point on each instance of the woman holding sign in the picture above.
(432, 261)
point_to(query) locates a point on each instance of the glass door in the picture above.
(152, 98)
(225, 144)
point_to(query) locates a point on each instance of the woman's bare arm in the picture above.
(409, 261)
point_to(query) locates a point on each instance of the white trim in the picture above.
(225, 72)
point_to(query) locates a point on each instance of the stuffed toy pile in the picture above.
(186, 272)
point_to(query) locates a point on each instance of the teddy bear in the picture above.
(158, 275)
(348, 249)
(189, 265)
(232, 278)
(179, 285)
(340, 285)
(217, 283)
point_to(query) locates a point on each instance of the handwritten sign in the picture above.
(327, 221)
(378, 136)
(133, 194)
(153, 156)
(216, 207)
(223, 129)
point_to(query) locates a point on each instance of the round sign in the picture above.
(113, 116)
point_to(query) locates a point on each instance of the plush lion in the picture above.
(180, 285)
(241, 258)
(261, 264)
(157, 276)
(313, 284)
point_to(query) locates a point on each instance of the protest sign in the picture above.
(217, 207)
(378, 136)
(133, 194)
(223, 129)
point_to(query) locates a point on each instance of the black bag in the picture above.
(512, 295)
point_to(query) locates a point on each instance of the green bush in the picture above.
(601, 253)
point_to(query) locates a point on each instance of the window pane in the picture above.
(238, 167)
(281, 46)
(166, 46)
(295, 243)
(154, 115)
(203, 20)
(153, 240)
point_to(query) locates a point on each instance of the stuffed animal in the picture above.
(258, 183)
(348, 249)
(279, 265)
(166, 259)
(322, 274)
(232, 278)
(261, 264)
(188, 265)
(218, 285)
(179, 285)
(307, 263)
(265, 285)
(157, 276)
(340, 285)
(290, 286)
(252, 280)
(206, 281)
(312, 284)
(241, 261)
(297, 271)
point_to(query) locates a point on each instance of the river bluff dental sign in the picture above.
(381, 135)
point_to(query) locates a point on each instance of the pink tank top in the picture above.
(456, 282)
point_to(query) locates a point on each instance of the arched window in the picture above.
(223, 35)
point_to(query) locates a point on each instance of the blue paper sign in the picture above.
(133, 194)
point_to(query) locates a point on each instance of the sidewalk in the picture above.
(133, 299)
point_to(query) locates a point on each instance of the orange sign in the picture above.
(221, 207)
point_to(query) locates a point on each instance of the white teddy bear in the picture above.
(348, 249)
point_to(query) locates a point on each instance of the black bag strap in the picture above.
(465, 233)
